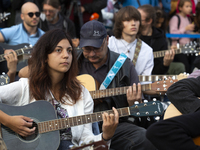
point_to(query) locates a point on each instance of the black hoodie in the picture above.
(157, 42)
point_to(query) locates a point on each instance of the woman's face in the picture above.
(59, 61)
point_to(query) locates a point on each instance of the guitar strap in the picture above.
(137, 50)
(113, 71)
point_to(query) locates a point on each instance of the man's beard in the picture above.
(51, 19)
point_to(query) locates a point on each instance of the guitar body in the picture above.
(87, 81)
(172, 111)
(35, 110)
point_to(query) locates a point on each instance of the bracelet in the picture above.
(103, 138)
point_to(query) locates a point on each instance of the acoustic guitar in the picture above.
(23, 52)
(172, 111)
(88, 81)
(191, 48)
(4, 16)
(46, 135)
(143, 78)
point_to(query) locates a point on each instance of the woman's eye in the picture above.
(58, 50)
(69, 51)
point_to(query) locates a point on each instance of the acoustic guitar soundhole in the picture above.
(33, 136)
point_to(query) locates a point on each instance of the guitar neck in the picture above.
(63, 123)
(19, 52)
(115, 91)
(143, 78)
(162, 53)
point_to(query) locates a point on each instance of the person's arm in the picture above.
(16, 94)
(19, 124)
(161, 65)
(11, 58)
(134, 92)
(1, 38)
(185, 94)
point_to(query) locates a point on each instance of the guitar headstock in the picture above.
(4, 16)
(191, 48)
(28, 49)
(153, 108)
(161, 86)
(4, 79)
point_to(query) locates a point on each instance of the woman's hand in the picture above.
(110, 122)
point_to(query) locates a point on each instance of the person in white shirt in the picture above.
(127, 27)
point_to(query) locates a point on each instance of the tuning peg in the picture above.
(92, 141)
(157, 118)
(154, 99)
(148, 119)
(136, 102)
(145, 101)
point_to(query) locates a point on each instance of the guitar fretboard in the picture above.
(162, 53)
(63, 123)
(19, 52)
(143, 78)
(115, 91)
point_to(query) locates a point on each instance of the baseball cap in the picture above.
(92, 34)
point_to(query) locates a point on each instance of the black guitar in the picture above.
(4, 79)
(47, 125)
(23, 50)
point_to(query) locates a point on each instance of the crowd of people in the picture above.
(68, 41)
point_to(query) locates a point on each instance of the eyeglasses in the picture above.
(95, 50)
(50, 11)
(30, 14)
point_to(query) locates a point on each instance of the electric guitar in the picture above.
(88, 81)
(187, 49)
(46, 136)
(4, 79)
(172, 111)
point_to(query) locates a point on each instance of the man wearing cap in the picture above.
(96, 59)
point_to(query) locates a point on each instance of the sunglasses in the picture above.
(30, 14)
